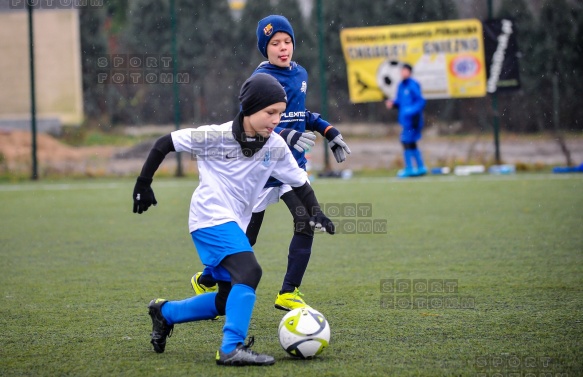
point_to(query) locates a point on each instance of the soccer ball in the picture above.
(304, 333)
(389, 77)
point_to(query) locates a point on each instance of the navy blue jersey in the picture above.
(294, 80)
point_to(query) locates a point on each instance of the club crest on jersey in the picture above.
(268, 30)
(267, 159)
(304, 87)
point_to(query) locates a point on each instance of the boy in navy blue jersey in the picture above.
(275, 41)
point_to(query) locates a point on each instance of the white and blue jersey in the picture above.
(294, 80)
(230, 183)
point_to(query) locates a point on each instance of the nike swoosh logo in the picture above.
(232, 154)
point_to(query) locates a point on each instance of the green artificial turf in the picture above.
(79, 268)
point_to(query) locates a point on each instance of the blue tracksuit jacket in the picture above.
(410, 103)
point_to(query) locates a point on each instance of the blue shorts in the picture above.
(410, 134)
(215, 243)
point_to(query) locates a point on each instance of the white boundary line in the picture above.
(86, 186)
(457, 179)
(191, 182)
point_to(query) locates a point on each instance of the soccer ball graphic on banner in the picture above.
(304, 332)
(389, 77)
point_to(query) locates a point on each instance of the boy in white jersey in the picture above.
(235, 159)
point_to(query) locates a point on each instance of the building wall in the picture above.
(59, 92)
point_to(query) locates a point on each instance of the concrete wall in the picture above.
(59, 92)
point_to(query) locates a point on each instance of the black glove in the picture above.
(143, 195)
(300, 141)
(337, 144)
(322, 223)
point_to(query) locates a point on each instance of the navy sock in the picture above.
(206, 278)
(300, 249)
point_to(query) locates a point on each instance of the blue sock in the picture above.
(238, 316)
(418, 158)
(192, 309)
(300, 250)
(408, 158)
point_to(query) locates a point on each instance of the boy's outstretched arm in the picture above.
(143, 195)
(339, 148)
(288, 171)
(318, 219)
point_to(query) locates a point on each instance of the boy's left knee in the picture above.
(243, 268)
(251, 275)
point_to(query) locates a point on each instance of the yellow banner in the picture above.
(447, 59)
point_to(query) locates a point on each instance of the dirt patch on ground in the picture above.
(378, 152)
(52, 155)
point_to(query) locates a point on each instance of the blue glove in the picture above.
(337, 144)
(300, 141)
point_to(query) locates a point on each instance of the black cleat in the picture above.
(242, 356)
(160, 328)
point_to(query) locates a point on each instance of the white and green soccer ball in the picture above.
(304, 333)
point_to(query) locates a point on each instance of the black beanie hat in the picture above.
(259, 91)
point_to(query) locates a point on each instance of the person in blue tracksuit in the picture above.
(410, 103)
(275, 41)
